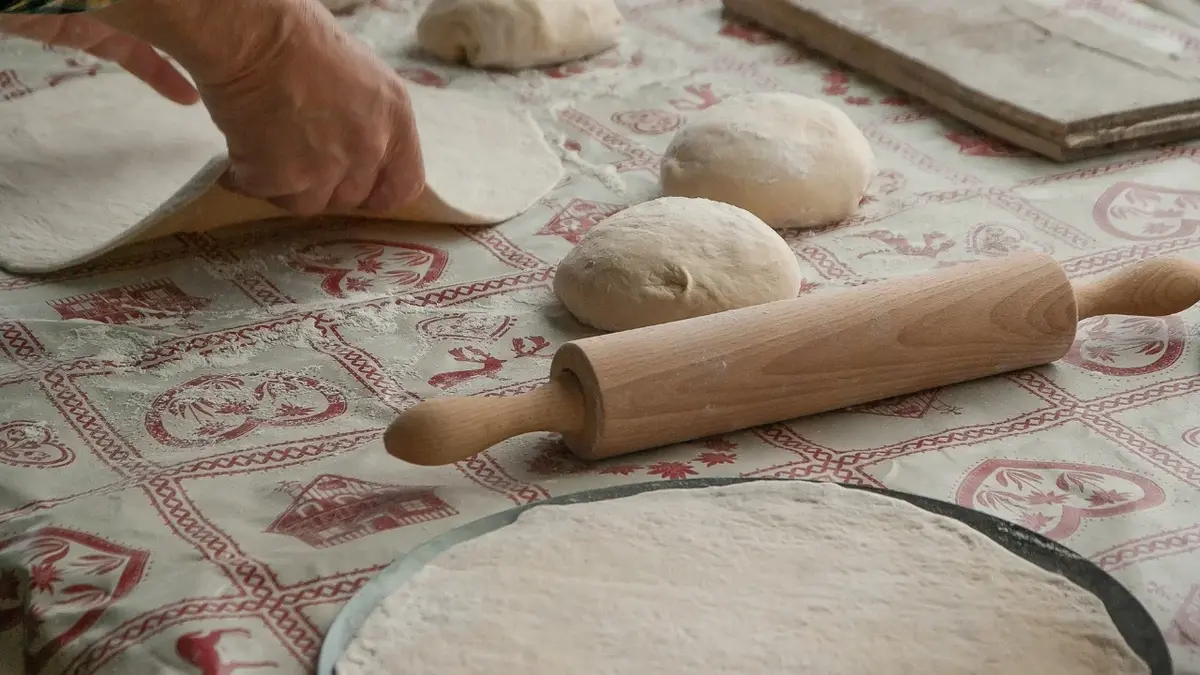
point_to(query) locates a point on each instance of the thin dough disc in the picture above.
(769, 578)
(791, 160)
(518, 33)
(674, 258)
(101, 162)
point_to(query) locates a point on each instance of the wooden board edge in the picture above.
(1181, 118)
(1142, 142)
(1049, 138)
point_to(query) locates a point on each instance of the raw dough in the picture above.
(765, 577)
(99, 162)
(674, 258)
(791, 160)
(518, 33)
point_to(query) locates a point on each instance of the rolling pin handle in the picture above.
(447, 430)
(1154, 287)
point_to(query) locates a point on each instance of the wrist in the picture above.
(216, 41)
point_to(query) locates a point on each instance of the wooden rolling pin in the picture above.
(622, 392)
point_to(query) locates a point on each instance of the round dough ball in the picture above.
(518, 33)
(674, 258)
(791, 160)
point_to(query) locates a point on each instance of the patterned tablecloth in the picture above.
(193, 480)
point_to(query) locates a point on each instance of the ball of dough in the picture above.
(791, 160)
(674, 258)
(518, 33)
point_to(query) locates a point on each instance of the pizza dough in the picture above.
(99, 162)
(791, 160)
(768, 577)
(518, 33)
(674, 258)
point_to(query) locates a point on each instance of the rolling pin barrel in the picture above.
(618, 393)
(715, 374)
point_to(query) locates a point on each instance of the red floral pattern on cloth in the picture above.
(191, 475)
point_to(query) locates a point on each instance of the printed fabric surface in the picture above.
(191, 474)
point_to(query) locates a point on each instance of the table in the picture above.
(192, 476)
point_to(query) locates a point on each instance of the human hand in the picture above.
(317, 122)
(79, 31)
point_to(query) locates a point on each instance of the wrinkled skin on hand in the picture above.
(320, 122)
(312, 119)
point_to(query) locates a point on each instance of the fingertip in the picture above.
(187, 97)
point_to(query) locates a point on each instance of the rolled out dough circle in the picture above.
(100, 162)
(765, 577)
(674, 258)
(791, 160)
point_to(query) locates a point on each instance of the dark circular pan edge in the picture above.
(1129, 616)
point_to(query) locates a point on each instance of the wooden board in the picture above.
(1063, 78)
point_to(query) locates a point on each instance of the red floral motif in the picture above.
(837, 83)
(671, 470)
(489, 365)
(44, 577)
(699, 97)
(1141, 212)
(11, 86)
(1053, 498)
(200, 649)
(221, 408)
(26, 443)
(711, 459)
(745, 33)
(1127, 345)
(934, 244)
(73, 576)
(983, 146)
(333, 510)
(553, 459)
(996, 240)
(913, 406)
(576, 218)
(467, 326)
(356, 265)
(422, 76)
(649, 122)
